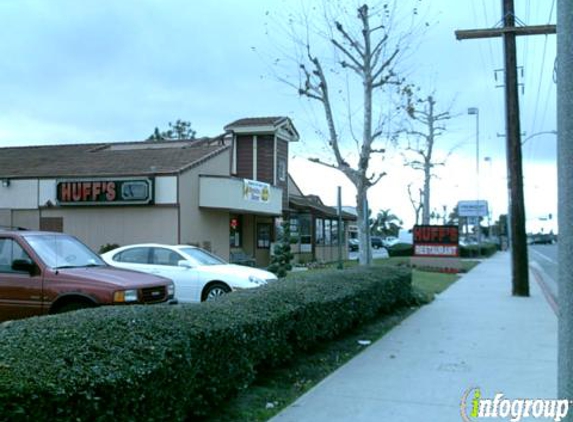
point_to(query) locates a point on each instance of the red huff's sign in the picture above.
(436, 241)
(105, 192)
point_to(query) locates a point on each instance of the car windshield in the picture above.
(200, 257)
(61, 251)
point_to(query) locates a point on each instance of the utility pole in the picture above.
(519, 260)
(565, 177)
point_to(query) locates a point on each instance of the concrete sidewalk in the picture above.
(475, 334)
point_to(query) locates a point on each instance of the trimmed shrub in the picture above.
(471, 251)
(401, 249)
(167, 363)
(107, 247)
(282, 255)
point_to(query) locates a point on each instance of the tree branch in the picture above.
(322, 163)
(351, 40)
(383, 67)
(372, 180)
(357, 67)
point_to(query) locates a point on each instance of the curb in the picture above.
(538, 274)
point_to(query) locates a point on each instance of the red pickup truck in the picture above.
(43, 273)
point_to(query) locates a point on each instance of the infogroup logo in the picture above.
(474, 407)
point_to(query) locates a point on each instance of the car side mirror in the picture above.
(23, 265)
(184, 264)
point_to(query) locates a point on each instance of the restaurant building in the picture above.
(226, 194)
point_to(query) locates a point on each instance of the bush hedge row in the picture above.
(168, 363)
(471, 251)
(401, 249)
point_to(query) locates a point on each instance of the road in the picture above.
(543, 259)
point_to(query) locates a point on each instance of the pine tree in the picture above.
(282, 255)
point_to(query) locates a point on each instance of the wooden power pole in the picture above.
(519, 260)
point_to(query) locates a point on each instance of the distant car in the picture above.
(541, 239)
(45, 273)
(376, 242)
(353, 245)
(390, 241)
(198, 275)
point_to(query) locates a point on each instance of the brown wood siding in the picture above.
(52, 224)
(282, 154)
(265, 158)
(245, 157)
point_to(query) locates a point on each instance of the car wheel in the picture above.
(73, 306)
(215, 290)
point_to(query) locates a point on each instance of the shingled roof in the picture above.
(257, 121)
(105, 159)
(313, 202)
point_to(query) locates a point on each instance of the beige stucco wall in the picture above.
(198, 226)
(5, 217)
(97, 226)
(29, 219)
(20, 194)
(226, 193)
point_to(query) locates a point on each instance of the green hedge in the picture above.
(471, 251)
(167, 363)
(401, 249)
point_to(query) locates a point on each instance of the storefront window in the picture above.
(305, 222)
(263, 236)
(319, 232)
(282, 171)
(327, 233)
(235, 230)
(294, 228)
(334, 232)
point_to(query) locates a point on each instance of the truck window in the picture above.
(10, 250)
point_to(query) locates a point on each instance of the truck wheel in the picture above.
(73, 306)
(215, 290)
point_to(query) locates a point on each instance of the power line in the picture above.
(509, 33)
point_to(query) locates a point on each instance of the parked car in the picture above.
(541, 239)
(44, 273)
(376, 242)
(198, 275)
(390, 241)
(353, 245)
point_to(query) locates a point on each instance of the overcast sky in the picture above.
(108, 70)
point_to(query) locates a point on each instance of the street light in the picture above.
(490, 216)
(475, 111)
(545, 132)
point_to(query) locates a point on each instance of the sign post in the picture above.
(475, 210)
(436, 247)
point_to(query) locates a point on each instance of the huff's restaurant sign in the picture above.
(105, 192)
(436, 241)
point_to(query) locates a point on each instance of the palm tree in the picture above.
(385, 224)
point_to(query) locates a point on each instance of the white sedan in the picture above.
(198, 275)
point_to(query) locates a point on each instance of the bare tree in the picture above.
(362, 50)
(420, 155)
(417, 204)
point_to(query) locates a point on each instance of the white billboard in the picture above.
(472, 208)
